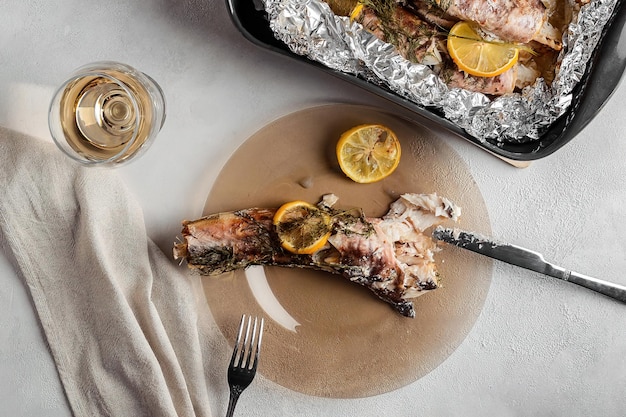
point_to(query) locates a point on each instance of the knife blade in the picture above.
(525, 258)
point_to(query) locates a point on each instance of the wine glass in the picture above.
(106, 113)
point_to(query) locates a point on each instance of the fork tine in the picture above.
(259, 338)
(245, 345)
(236, 349)
(240, 375)
(251, 346)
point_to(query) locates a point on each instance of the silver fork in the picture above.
(245, 359)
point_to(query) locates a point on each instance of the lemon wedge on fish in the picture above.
(302, 228)
(477, 56)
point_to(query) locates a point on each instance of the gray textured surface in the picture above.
(540, 347)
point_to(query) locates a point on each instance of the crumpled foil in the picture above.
(311, 29)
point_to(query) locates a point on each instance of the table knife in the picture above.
(525, 258)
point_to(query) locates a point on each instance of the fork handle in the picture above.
(232, 401)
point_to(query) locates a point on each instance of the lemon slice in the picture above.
(477, 56)
(302, 227)
(356, 12)
(368, 153)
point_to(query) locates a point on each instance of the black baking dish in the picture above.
(602, 76)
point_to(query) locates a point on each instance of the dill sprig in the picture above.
(408, 38)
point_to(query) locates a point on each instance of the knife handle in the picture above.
(609, 289)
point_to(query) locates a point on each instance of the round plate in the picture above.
(324, 335)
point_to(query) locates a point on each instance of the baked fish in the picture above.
(420, 40)
(511, 20)
(390, 255)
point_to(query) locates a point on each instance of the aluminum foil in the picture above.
(311, 29)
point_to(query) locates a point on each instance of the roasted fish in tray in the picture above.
(390, 255)
(419, 40)
(418, 29)
(511, 20)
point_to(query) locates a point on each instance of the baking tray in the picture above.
(601, 78)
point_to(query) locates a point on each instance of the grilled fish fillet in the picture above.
(391, 255)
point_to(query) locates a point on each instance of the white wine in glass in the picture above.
(106, 113)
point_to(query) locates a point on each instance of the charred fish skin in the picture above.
(390, 256)
(429, 12)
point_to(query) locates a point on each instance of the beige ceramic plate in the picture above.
(346, 343)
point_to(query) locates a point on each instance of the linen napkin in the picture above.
(120, 320)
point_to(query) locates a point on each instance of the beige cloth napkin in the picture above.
(120, 319)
